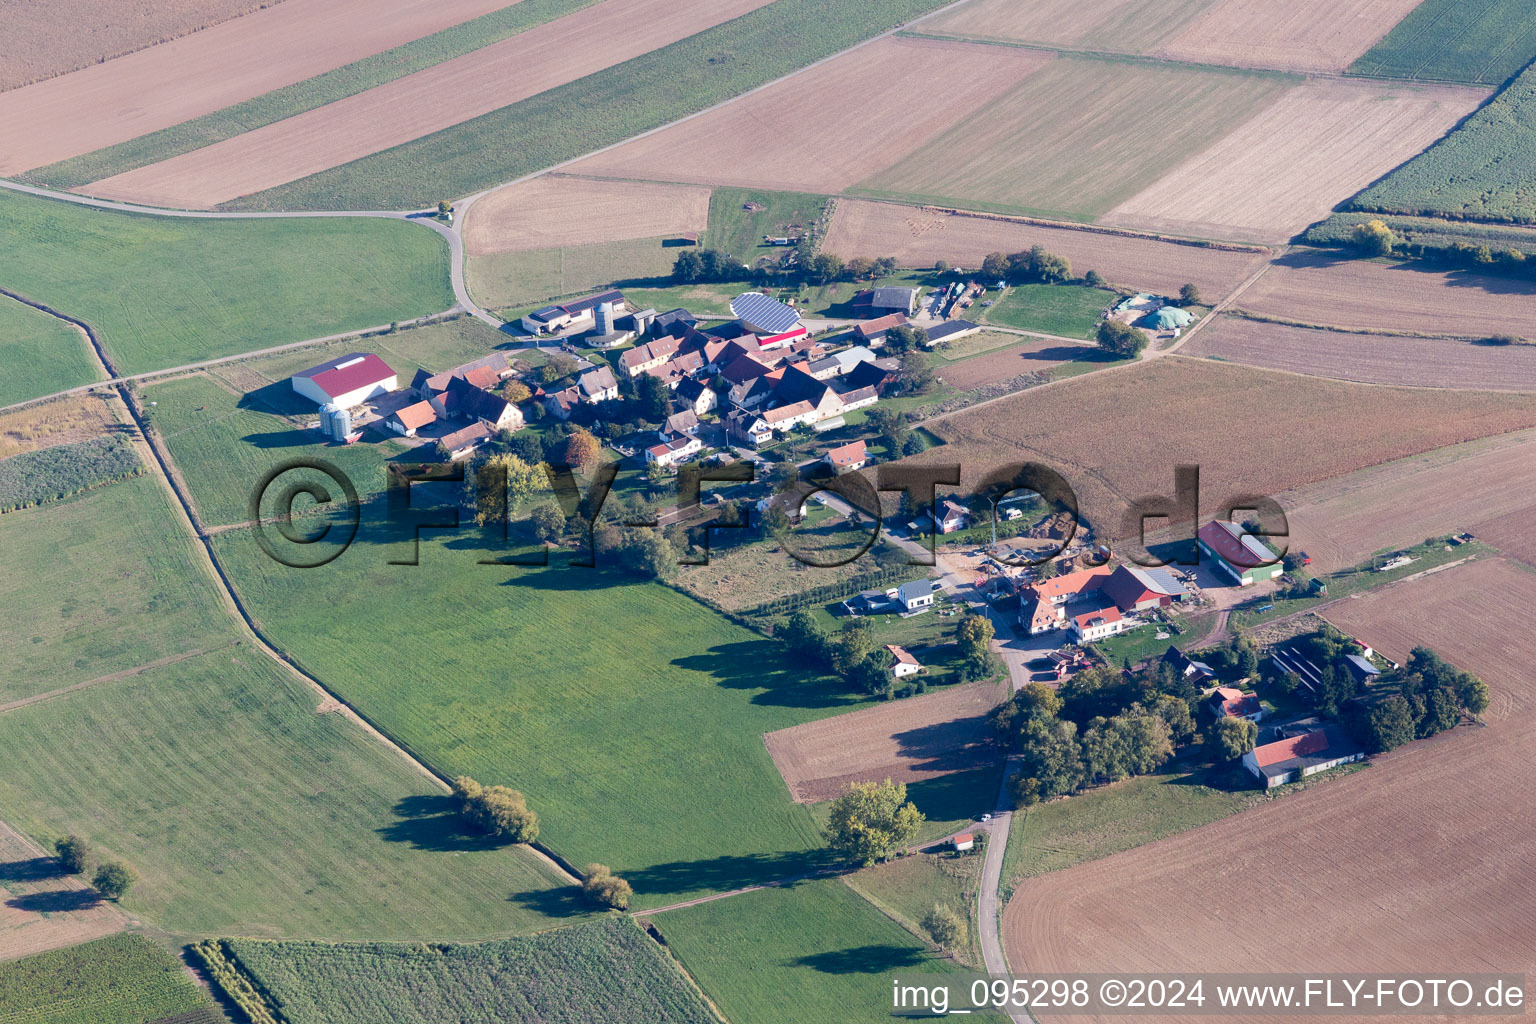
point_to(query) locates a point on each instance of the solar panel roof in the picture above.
(764, 313)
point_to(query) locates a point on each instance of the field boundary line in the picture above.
(112, 677)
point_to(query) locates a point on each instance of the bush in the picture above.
(113, 880)
(74, 852)
(604, 888)
(497, 811)
(945, 926)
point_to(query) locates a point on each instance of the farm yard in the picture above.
(420, 104)
(40, 354)
(162, 292)
(790, 953)
(1464, 487)
(919, 236)
(1313, 287)
(1293, 161)
(1311, 429)
(1364, 874)
(126, 979)
(196, 74)
(558, 210)
(606, 970)
(815, 132)
(908, 740)
(1025, 154)
(1452, 41)
(1369, 358)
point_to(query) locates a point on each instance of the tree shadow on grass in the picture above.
(872, 959)
(719, 874)
(762, 665)
(431, 822)
(562, 901)
(34, 869)
(55, 902)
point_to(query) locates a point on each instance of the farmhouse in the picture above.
(1238, 555)
(645, 357)
(1230, 702)
(748, 428)
(462, 443)
(346, 381)
(904, 664)
(1137, 589)
(669, 454)
(696, 395)
(1099, 618)
(915, 596)
(560, 404)
(465, 400)
(1286, 760)
(411, 418)
(879, 302)
(674, 322)
(951, 516)
(1189, 668)
(598, 385)
(685, 422)
(485, 372)
(848, 457)
(951, 330)
(872, 332)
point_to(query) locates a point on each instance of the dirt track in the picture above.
(556, 210)
(1369, 358)
(905, 740)
(176, 81)
(1421, 862)
(438, 97)
(832, 126)
(918, 236)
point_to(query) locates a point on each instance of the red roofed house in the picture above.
(904, 665)
(1096, 620)
(964, 841)
(872, 332)
(1230, 702)
(411, 418)
(1237, 554)
(346, 381)
(1275, 764)
(1042, 607)
(670, 453)
(848, 457)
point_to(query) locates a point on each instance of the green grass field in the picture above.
(907, 889)
(40, 354)
(1481, 171)
(1067, 310)
(630, 714)
(603, 971)
(740, 231)
(244, 811)
(519, 278)
(598, 110)
(223, 443)
(125, 979)
(810, 952)
(1477, 41)
(344, 81)
(85, 578)
(1077, 137)
(435, 347)
(163, 291)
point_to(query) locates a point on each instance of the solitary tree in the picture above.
(1120, 339)
(944, 926)
(582, 450)
(915, 375)
(444, 207)
(73, 853)
(995, 266)
(603, 887)
(113, 880)
(1374, 238)
(1189, 295)
(941, 266)
(872, 820)
(516, 392)
(1231, 738)
(1093, 279)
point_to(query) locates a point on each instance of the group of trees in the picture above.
(1121, 340)
(602, 887)
(498, 812)
(1376, 237)
(112, 879)
(893, 431)
(714, 265)
(855, 654)
(1424, 697)
(706, 265)
(871, 821)
(1034, 265)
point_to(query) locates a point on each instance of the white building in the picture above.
(904, 665)
(915, 596)
(346, 381)
(671, 453)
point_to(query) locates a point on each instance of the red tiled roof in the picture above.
(348, 373)
(1106, 613)
(900, 654)
(1072, 583)
(880, 324)
(848, 454)
(1297, 746)
(414, 417)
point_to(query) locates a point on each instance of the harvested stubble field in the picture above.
(745, 576)
(1370, 872)
(1065, 140)
(1031, 357)
(1290, 164)
(41, 909)
(205, 71)
(917, 236)
(1369, 358)
(813, 132)
(1341, 522)
(559, 210)
(907, 740)
(1120, 26)
(509, 279)
(1250, 431)
(1513, 533)
(1318, 288)
(417, 105)
(61, 421)
(1304, 35)
(33, 48)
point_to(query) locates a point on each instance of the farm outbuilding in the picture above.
(346, 381)
(1168, 318)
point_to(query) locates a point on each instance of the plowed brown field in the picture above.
(1419, 863)
(1296, 159)
(835, 125)
(494, 76)
(33, 48)
(1341, 522)
(1124, 26)
(1302, 35)
(905, 740)
(207, 71)
(1030, 357)
(1117, 434)
(1370, 358)
(1316, 288)
(917, 236)
(556, 211)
